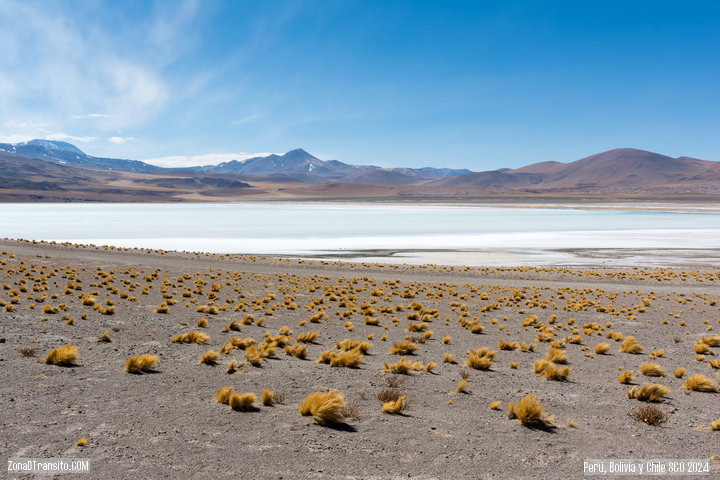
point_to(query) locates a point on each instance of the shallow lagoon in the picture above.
(418, 232)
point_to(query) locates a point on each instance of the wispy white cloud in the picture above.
(17, 131)
(120, 140)
(179, 161)
(90, 115)
(55, 64)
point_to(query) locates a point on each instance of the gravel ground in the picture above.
(166, 424)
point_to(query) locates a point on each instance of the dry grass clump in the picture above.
(461, 387)
(209, 358)
(140, 363)
(404, 347)
(105, 337)
(495, 405)
(649, 414)
(64, 356)
(266, 398)
(416, 327)
(547, 370)
(481, 359)
(714, 363)
(402, 366)
(348, 344)
(308, 337)
(446, 339)
(648, 393)
(202, 322)
(679, 372)
(652, 370)
(242, 402)
(430, 367)
(389, 395)
(252, 356)
(502, 345)
(530, 413)
(395, 381)
(395, 407)
(700, 383)
(190, 337)
(601, 348)
(711, 341)
(297, 350)
(28, 351)
(242, 343)
(448, 358)
(556, 355)
(625, 377)
(630, 345)
(701, 348)
(325, 408)
(223, 395)
(715, 426)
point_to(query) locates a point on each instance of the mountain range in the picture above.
(45, 170)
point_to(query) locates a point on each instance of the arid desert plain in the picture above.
(443, 350)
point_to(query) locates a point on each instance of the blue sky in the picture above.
(478, 85)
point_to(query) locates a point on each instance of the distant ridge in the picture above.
(45, 170)
(68, 154)
(622, 167)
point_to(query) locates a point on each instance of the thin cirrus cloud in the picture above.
(120, 140)
(180, 161)
(90, 115)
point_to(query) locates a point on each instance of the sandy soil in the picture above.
(167, 425)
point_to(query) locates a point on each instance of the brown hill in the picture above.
(616, 169)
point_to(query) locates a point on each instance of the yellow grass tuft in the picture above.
(140, 363)
(266, 398)
(514, 365)
(701, 348)
(711, 341)
(461, 386)
(601, 348)
(495, 405)
(502, 345)
(105, 337)
(308, 337)
(191, 337)
(325, 408)
(202, 322)
(714, 363)
(448, 358)
(630, 345)
(556, 355)
(404, 347)
(395, 407)
(223, 395)
(209, 358)
(652, 370)
(347, 358)
(297, 350)
(430, 367)
(679, 372)
(402, 366)
(700, 383)
(547, 370)
(480, 360)
(64, 356)
(252, 356)
(715, 426)
(625, 377)
(243, 401)
(530, 413)
(81, 442)
(648, 393)
(446, 339)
